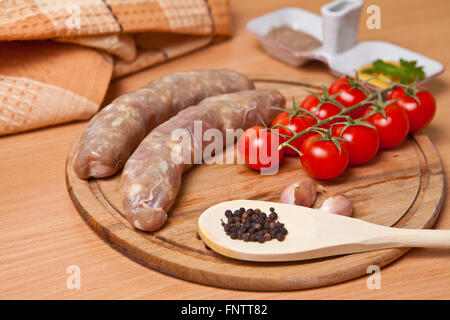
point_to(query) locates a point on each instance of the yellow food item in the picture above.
(378, 80)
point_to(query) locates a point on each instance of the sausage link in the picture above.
(113, 134)
(151, 178)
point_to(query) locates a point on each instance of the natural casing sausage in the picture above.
(113, 134)
(151, 178)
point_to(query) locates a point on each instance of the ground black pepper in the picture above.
(253, 225)
(293, 39)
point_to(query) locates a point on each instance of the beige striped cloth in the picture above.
(74, 48)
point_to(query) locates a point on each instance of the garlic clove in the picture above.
(301, 193)
(338, 205)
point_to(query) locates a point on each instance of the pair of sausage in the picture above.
(151, 178)
(113, 134)
(152, 175)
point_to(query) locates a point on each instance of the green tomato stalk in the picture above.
(373, 98)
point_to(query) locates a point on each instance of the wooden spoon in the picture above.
(311, 234)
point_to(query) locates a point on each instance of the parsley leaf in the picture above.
(407, 72)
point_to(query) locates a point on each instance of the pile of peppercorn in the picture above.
(254, 225)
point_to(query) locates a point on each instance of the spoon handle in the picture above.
(419, 238)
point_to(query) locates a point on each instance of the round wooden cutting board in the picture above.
(401, 187)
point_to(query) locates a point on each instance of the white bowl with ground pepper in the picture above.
(289, 34)
(294, 36)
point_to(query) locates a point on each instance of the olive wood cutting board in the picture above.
(402, 187)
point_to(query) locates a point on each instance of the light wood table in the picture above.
(41, 233)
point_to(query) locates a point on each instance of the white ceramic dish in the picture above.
(297, 19)
(340, 50)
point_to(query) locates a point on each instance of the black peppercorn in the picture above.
(253, 225)
(228, 213)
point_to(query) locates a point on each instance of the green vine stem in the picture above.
(369, 99)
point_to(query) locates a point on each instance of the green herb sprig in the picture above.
(405, 73)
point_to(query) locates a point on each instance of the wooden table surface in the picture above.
(41, 233)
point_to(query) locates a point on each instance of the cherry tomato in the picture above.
(393, 128)
(362, 142)
(325, 111)
(259, 148)
(297, 124)
(322, 159)
(349, 96)
(419, 115)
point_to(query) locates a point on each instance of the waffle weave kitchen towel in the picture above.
(57, 57)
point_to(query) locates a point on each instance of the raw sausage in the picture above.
(114, 133)
(151, 178)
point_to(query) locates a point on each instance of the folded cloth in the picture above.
(90, 42)
(120, 45)
(156, 47)
(44, 19)
(44, 83)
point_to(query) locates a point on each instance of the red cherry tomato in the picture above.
(419, 115)
(297, 124)
(362, 142)
(349, 96)
(393, 128)
(322, 159)
(259, 148)
(325, 111)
